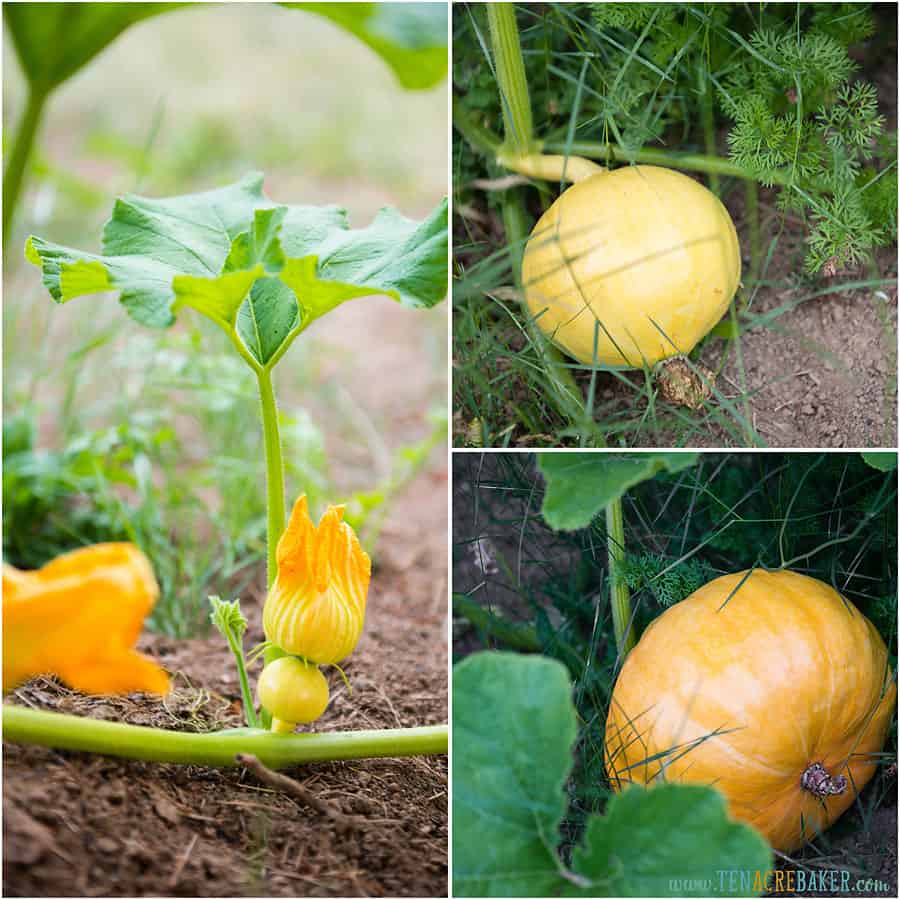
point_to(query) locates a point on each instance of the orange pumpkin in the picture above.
(770, 686)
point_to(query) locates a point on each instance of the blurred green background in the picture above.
(112, 431)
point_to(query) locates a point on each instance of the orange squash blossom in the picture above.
(79, 617)
(316, 608)
(770, 686)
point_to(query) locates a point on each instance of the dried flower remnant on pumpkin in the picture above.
(79, 617)
(316, 607)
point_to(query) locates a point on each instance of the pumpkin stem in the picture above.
(817, 781)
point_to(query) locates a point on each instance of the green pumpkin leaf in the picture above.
(513, 730)
(395, 256)
(267, 318)
(54, 40)
(514, 726)
(257, 269)
(581, 485)
(410, 37)
(883, 461)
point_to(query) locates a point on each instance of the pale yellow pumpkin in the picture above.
(648, 253)
(770, 686)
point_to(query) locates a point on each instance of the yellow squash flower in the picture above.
(317, 605)
(78, 618)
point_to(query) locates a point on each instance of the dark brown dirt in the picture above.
(867, 852)
(77, 824)
(823, 374)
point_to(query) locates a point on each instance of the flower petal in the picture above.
(78, 617)
(316, 607)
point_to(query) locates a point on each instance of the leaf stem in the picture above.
(275, 508)
(22, 145)
(751, 193)
(509, 70)
(246, 695)
(230, 621)
(218, 748)
(560, 378)
(620, 600)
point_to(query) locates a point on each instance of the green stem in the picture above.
(275, 509)
(620, 601)
(560, 378)
(751, 194)
(246, 695)
(218, 748)
(23, 143)
(509, 70)
(709, 126)
(697, 162)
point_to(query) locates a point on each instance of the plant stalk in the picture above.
(219, 748)
(22, 145)
(697, 162)
(561, 380)
(275, 508)
(620, 600)
(509, 70)
(709, 127)
(246, 694)
(751, 194)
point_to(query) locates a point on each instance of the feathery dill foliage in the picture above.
(668, 584)
(782, 77)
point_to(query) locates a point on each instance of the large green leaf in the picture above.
(255, 268)
(54, 40)
(410, 37)
(581, 485)
(514, 726)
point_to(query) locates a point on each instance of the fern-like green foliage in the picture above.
(848, 23)
(795, 110)
(668, 585)
(782, 76)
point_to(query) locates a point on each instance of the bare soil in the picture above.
(77, 824)
(867, 850)
(823, 374)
